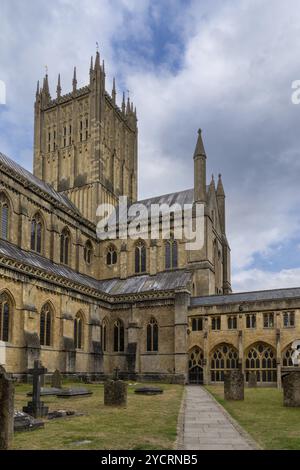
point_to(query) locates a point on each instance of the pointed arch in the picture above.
(196, 364)
(65, 246)
(111, 255)
(88, 252)
(79, 330)
(119, 336)
(37, 232)
(286, 356)
(223, 357)
(152, 335)
(5, 215)
(104, 334)
(261, 359)
(140, 254)
(46, 324)
(6, 307)
(171, 253)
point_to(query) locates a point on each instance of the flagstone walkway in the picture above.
(207, 426)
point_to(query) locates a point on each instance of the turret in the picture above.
(199, 170)
(74, 81)
(58, 88)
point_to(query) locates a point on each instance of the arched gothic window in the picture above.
(118, 336)
(78, 331)
(196, 363)
(261, 358)
(171, 254)
(223, 358)
(4, 216)
(36, 233)
(5, 315)
(111, 255)
(46, 321)
(140, 257)
(87, 252)
(104, 334)
(287, 356)
(65, 246)
(152, 335)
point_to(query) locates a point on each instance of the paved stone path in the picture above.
(207, 426)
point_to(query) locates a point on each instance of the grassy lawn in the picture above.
(148, 422)
(263, 415)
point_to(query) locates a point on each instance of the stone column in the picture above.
(206, 366)
(180, 335)
(278, 350)
(6, 410)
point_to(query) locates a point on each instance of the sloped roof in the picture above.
(240, 297)
(13, 167)
(169, 280)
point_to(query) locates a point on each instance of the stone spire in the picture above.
(97, 61)
(221, 203)
(58, 88)
(114, 93)
(128, 107)
(37, 89)
(199, 170)
(74, 81)
(45, 90)
(123, 103)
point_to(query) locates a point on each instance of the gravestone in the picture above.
(234, 385)
(25, 422)
(148, 390)
(56, 379)
(74, 392)
(290, 377)
(252, 379)
(36, 407)
(6, 410)
(115, 391)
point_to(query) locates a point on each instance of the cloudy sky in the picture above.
(225, 66)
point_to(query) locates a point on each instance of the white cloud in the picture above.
(257, 279)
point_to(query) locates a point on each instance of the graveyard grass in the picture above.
(263, 415)
(148, 422)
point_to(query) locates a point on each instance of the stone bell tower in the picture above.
(84, 144)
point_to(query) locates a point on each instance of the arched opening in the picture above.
(118, 336)
(65, 238)
(46, 325)
(78, 331)
(171, 254)
(4, 217)
(5, 316)
(87, 252)
(111, 255)
(37, 232)
(196, 363)
(140, 257)
(287, 356)
(152, 335)
(223, 358)
(261, 359)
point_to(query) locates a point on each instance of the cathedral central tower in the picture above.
(84, 144)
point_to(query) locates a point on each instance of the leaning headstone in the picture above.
(234, 385)
(56, 379)
(6, 410)
(115, 391)
(25, 422)
(36, 407)
(252, 379)
(290, 377)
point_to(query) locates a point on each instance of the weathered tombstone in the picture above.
(36, 407)
(115, 391)
(290, 377)
(6, 410)
(234, 385)
(56, 379)
(252, 380)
